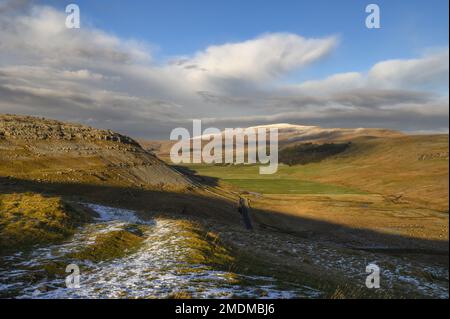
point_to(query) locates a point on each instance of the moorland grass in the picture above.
(27, 219)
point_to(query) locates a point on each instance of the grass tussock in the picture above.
(204, 247)
(111, 245)
(180, 295)
(28, 219)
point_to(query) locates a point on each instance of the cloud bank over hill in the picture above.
(94, 77)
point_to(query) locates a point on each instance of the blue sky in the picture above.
(180, 27)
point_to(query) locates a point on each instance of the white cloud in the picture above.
(90, 75)
(258, 60)
(333, 83)
(429, 71)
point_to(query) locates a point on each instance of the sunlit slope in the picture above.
(413, 168)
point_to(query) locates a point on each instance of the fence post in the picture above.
(244, 211)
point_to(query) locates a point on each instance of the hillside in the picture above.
(412, 168)
(52, 151)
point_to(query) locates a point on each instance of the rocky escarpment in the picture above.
(53, 151)
(31, 128)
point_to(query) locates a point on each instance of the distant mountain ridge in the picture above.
(290, 134)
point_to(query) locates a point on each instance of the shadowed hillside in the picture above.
(309, 153)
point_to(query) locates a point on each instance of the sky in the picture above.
(144, 68)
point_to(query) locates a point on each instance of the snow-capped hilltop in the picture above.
(284, 126)
(292, 134)
(288, 133)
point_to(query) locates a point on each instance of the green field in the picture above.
(288, 186)
(285, 181)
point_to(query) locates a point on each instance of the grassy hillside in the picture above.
(413, 168)
(52, 151)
